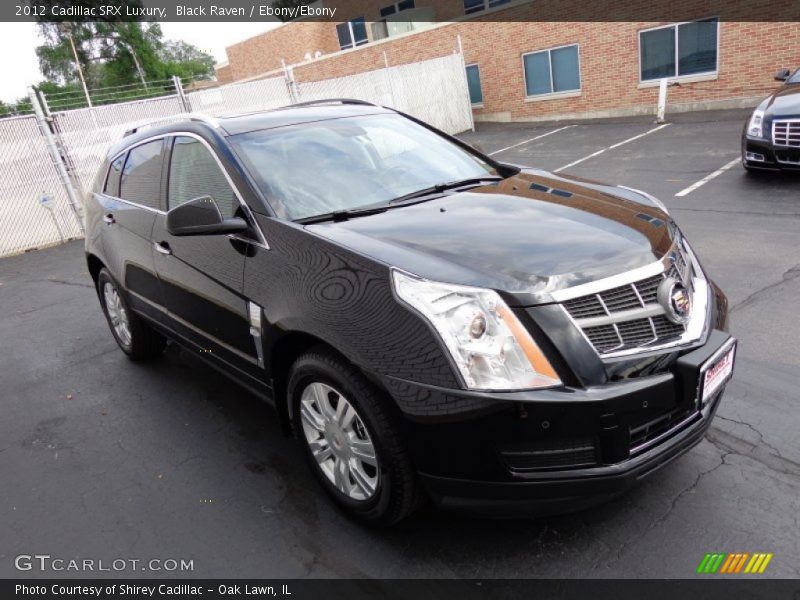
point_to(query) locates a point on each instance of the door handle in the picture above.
(162, 247)
(109, 218)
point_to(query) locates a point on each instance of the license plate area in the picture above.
(715, 373)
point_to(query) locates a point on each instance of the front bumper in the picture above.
(556, 450)
(761, 154)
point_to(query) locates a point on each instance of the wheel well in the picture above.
(285, 352)
(95, 265)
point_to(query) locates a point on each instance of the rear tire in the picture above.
(133, 335)
(351, 440)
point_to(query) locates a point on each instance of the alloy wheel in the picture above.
(339, 441)
(117, 314)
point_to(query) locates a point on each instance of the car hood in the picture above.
(785, 102)
(527, 235)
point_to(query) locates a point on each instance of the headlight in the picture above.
(754, 128)
(650, 197)
(490, 347)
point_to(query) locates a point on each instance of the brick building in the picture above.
(530, 60)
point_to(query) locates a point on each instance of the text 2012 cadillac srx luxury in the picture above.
(428, 322)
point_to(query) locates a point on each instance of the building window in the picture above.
(473, 6)
(352, 33)
(678, 50)
(552, 71)
(388, 11)
(474, 85)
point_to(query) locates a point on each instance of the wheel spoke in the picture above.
(341, 406)
(323, 401)
(341, 478)
(364, 451)
(310, 417)
(320, 449)
(345, 416)
(108, 297)
(363, 482)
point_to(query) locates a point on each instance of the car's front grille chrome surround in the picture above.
(622, 315)
(786, 132)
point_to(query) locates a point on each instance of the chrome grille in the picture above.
(624, 297)
(629, 316)
(786, 133)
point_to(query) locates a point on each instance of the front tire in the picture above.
(134, 337)
(351, 440)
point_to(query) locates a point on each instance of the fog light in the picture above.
(755, 157)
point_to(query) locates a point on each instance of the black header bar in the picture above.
(426, 10)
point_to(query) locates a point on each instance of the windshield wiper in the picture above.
(443, 187)
(343, 215)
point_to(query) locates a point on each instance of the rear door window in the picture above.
(141, 177)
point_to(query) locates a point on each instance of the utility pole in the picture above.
(138, 65)
(66, 29)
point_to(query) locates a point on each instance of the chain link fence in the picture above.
(88, 133)
(49, 161)
(437, 93)
(34, 205)
(252, 96)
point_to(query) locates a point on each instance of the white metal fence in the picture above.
(35, 189)
(252, 96)
(88, 133)
(434, 91)
(34, 207)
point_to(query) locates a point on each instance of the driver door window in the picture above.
(194, 172)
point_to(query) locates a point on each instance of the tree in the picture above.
(56, 58)
(116, 54)
(186, 61)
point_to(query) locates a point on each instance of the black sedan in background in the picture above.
(771, 137)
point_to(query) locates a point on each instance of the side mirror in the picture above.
(782, 74)
(201, 216)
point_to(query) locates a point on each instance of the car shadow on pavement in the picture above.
(251, 429)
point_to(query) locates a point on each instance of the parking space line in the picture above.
(533, 139)
(707, 178)
(617, 145)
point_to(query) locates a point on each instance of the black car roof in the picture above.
(244, 123)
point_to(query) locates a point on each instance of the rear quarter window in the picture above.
(112, 180)
(140, 181)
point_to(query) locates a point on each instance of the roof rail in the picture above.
(329, 101)
(208, 120)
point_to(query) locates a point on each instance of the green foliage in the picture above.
(21, 107)
(130, 56)
(186, 61)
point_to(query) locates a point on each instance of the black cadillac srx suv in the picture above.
(427, 321)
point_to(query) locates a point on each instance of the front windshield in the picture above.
(794, 78)
(341, 164)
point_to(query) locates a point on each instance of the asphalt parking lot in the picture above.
(103, 458)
